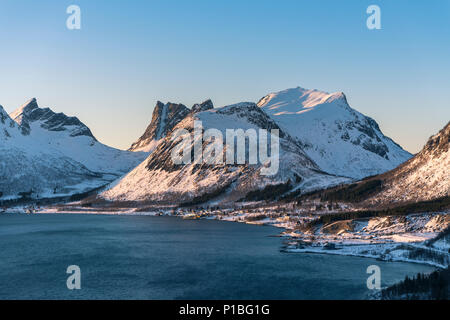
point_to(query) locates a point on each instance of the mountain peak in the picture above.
(38, 152)
(204, 106)
(159, 179)
(164, 118)
(30, 112)
(32, 103)
(337, 96)
(338, 138)
(27, 107)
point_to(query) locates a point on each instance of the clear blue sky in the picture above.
(129, 54)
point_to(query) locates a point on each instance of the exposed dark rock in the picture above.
(440, 142)
(49, 120)
(165, 117)
(204, 106)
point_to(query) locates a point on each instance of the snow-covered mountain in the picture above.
(339, 139)
(424, 177)
(26, 166)
(159, 179)
(52, 155)
(73, 138)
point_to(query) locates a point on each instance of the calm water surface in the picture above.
(143, 257)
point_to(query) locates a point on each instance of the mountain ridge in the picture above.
(338, 138)
(50, 155)
(31, 112)
(164, 118)
(159, 179)
(424, 177)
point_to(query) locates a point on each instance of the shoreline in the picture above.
(348, 254)
(292, 243)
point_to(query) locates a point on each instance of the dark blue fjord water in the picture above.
(143, 257)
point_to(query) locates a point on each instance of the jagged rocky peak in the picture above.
(30, 112)
(4, 117)
(164, 118)
(169, 115)
(7, 125)
(19, 114)
(204, 106)
(160, 179)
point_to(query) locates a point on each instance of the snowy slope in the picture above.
(339, 139)
(8, 128)
(159, 179)
(54, 155)
(69, 136)
(424, 177)
(26, 166)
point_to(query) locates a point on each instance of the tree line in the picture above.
(417, 207)
(434, 286)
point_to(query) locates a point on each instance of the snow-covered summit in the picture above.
(29, 168)
(30, 112)
(298, 100)
(27, 106)
(50, 154)
(338, 138)
(71, 137)
(204, 106)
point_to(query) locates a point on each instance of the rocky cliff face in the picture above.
(164, 118)
(30, 113)
(204, 106)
